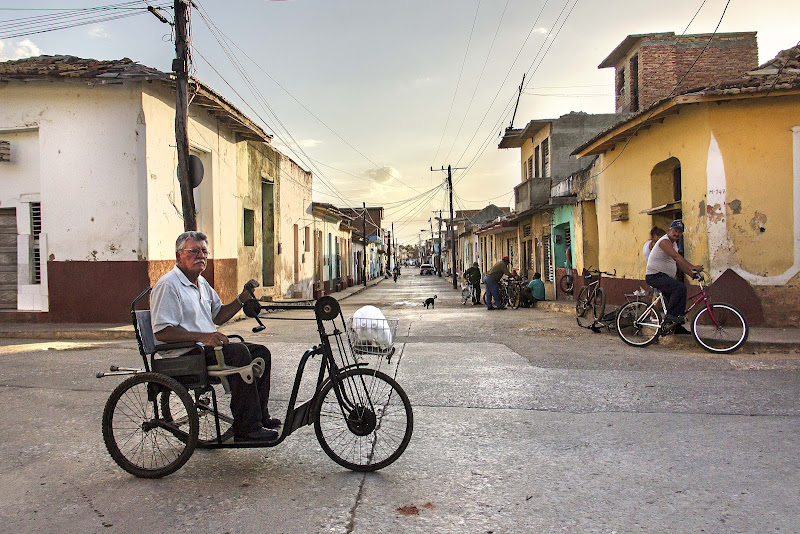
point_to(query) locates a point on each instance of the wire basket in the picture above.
(372, 336)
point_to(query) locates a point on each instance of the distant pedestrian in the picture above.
(473, 276)
(492, 281)
(655, 234)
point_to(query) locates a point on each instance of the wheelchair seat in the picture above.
(189, 368)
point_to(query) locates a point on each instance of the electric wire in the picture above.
(458, 81)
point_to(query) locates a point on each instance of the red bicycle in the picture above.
(717, 327)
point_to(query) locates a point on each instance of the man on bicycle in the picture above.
(492, 281)
(184, 307)
(473, 276)
(662, 266)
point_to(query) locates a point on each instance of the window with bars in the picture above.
(36, 229)
(549, 275)
(536, 162)
(546, 158)
(530, 167)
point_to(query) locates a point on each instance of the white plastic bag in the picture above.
(371, 328)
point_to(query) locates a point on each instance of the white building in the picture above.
(90, 193)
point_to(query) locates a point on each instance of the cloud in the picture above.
(10, 50)
(98, 32)
(308, 143)
(381, 175)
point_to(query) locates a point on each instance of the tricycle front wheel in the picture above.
(363, 419)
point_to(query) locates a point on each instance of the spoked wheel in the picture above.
(723, 330)
(635, 327)
(372, 426)
(139, 436)
(565, 283)
(599, 303)
(583, 309)
(206, 416)
(466, 293)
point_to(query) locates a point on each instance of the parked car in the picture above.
(426, 268)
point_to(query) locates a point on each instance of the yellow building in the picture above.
(725, 159)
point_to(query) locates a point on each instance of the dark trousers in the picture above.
(248, 401)
(527, 298)
(674, 292)
(492, 292)
(476, 292)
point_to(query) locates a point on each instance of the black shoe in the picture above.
(671, 319)
(262, 434)
(271, 422)
(681, 331)
(476, 303)
(490, 308)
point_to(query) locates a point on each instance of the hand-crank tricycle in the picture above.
(154, 419)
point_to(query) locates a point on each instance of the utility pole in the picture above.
(391, 248)
(181, 68)
(439, 254)
(452, 229)
(364, 230)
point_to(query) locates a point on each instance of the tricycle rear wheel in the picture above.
(143, 439)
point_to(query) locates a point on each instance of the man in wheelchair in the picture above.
(184, 307)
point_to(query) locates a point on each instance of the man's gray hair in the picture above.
(186, 236)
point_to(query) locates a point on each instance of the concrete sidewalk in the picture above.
(759, 338)
(99, 331)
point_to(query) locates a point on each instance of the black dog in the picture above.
(429, 302)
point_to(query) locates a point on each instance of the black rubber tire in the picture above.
(141, 443)
(725, 333)
(636, 330)
(373, 428)
(207, 423)
(582, 308)
(599, 304)
(566, 284)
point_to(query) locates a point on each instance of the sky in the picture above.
(370, 95)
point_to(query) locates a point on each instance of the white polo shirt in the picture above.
(175, 301)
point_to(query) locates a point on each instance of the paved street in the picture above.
(522, 423)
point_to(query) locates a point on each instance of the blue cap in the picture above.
(677, 224)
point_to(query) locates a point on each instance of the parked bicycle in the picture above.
(466, 292)
(505, 296)
(515, 288)
(718, 327)
(565, 283)
(591, 297)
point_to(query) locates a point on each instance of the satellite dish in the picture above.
(195, 171)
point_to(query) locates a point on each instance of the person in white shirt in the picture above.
(662, 266)
(655, 234)
(184, 307)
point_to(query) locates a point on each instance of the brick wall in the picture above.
(664, 59)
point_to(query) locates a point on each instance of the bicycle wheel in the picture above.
(582, 307)
(565, 283)
(466, 293)
(721, 330)
(143, 442)
(599, 303)
(206, 416)
(366, 422)
(636, 327)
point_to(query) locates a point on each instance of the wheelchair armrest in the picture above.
(236, 336)
(161, 347)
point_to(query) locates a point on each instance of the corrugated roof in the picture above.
(71, 68)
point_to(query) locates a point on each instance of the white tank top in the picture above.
(659, 261)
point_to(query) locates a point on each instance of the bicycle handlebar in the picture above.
(598, 272)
